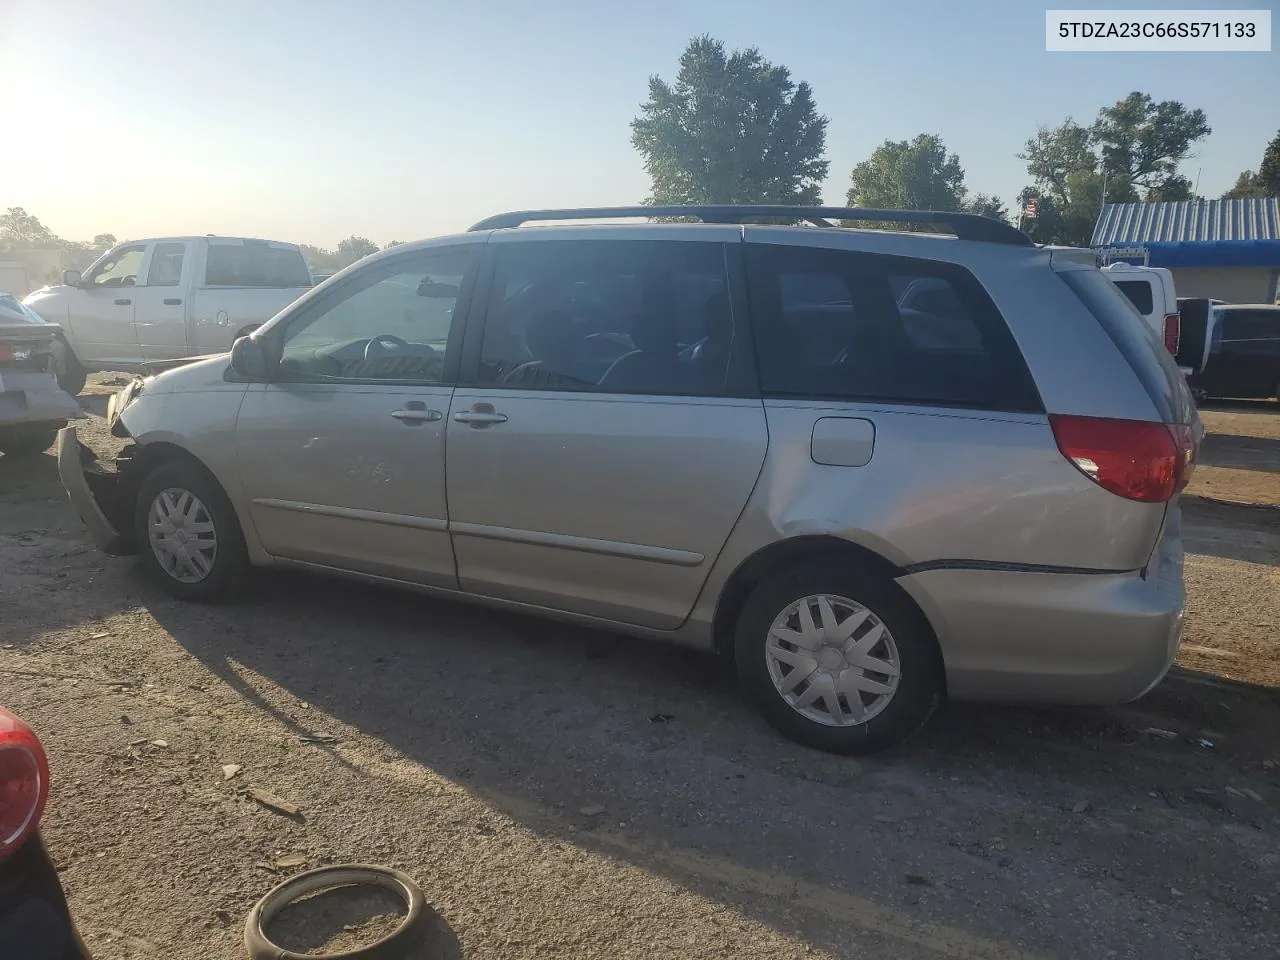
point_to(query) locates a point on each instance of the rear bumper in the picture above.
(35, 923)
(72, 473)
(28, 397)
(1057, 637)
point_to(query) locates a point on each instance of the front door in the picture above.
(100, 312)
(608, 444)
(159, 310)
(342, 457)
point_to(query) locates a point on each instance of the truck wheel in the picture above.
(27, 442)
(71, 376)
(838, 659)
(188, 535)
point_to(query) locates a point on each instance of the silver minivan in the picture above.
(873, 468)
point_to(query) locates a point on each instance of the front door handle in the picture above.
(123, 302)
(415, 411)
(172, 301)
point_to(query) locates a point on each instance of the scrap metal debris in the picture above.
(272, 802)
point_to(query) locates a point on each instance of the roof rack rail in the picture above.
(966, 226)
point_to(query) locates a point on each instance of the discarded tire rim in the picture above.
(394, 946)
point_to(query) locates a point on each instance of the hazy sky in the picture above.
(309, 120)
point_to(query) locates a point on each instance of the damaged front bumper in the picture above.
(95, 494)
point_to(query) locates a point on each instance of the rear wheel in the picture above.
(20, 443)
(838, 659)
(187, 532)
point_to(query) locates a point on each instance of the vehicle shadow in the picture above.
(646, 753)
(1233, 531)
(1242, 405)
(1240, 453)
(44, 552)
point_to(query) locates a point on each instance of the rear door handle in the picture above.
(479, 418)
(172, 301)
(123, 302)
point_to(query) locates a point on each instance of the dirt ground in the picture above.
(564, 793)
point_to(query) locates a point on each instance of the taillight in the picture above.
(1134, 459)
(24, 782)
(6, 355)
(1172, 332)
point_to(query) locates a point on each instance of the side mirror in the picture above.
(249, 360)
(71, 278)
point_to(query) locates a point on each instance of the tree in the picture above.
(734, 128)
(394, 243)
(1246, 185)
(104, 241)
(1269, 169)
(1143, 142)
(19, 230)
(919, 175)
(987, 205)
(1130, 153)
(1264, 183)
(354, 248)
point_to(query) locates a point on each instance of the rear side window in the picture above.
(1137, 342)
(1139, 294)
(855, 326)
(166, 265)
(609, 316)
(255, 264)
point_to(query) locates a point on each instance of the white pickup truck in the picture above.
(166, 299)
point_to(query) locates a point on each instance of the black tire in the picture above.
(230, 560)
(71, 376)
(920, 683)
(27, 443)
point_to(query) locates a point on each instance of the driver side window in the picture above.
(120, 269)
(391, 321)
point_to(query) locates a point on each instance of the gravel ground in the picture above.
(565, 793)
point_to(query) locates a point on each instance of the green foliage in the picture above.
(1246, 185)
(919, 175)
(987, 205)
(1264, 183)
(1269, 169)
(350, 250)
(1143, 142)
(1131, 152)
(20, 230)
(354, 248)
(104, 241)
(733, 128)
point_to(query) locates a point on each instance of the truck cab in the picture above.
(166, 299)
(1151, 291)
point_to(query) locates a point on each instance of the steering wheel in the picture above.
(381, 340)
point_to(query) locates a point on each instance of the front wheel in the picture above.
(838, 659)
(188, 536)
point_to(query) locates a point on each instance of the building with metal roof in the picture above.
(1226, 249)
